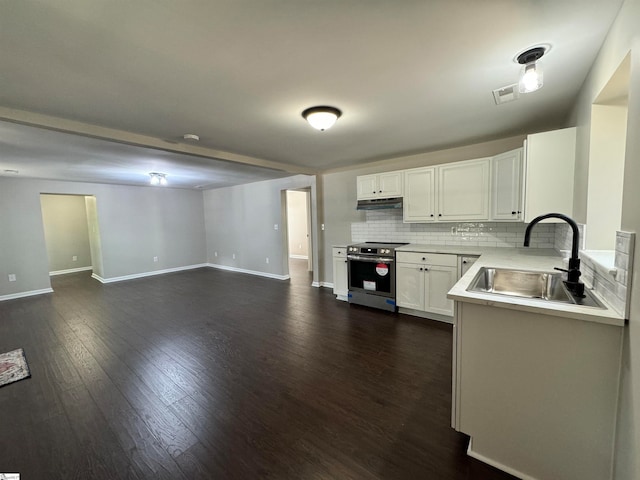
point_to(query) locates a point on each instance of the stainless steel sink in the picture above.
(528, 284)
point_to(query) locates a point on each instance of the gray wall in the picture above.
(66, 231)
(623, 36)
(136, 224)
(339, 188)
(240, 220)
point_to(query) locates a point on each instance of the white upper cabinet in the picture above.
(549, 164)
(506, 186)
(419, 203)
(445, 193)
(514, 186)
(380, 185)
(390, 184)
(367, 186)
(463, 190)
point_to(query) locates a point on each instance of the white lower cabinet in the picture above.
(340, 273)
(537, 393)
(438, 281)
(410, 290)
(423, 280)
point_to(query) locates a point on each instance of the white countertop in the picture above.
(516, 258)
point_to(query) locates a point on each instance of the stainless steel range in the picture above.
(372, 274)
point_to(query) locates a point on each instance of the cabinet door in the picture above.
(340, 286)
(550, 161)
(438, 282)
(506, 185)
(463, 191)
(410, 286)
(367, 186)
(419, 195)
(390, 184)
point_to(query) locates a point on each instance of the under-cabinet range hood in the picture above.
(379, 203)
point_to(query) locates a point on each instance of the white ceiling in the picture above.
(409, 76)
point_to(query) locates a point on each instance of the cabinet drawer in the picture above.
(427, 258)
(340, 252)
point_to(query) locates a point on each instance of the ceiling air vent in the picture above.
(506, 94)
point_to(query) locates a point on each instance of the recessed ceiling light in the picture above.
(191, 137)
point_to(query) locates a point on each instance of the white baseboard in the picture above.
(327, 285)
(250, 272)
(30, 293)
(498, 465)
(70, 270)
(299, 257)
(146, 274)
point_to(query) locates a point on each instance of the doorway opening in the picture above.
(71, 233)
(299, 242)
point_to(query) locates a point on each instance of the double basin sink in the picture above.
(528, 284)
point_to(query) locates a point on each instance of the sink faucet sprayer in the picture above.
(573, 282)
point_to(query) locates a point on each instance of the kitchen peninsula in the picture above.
(535, 382)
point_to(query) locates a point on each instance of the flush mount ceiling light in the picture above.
(321, 118)
(191, 137)
(531, 73)
(158, 178)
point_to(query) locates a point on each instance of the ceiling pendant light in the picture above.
(531, 73)
(156, 179)
(321, 118)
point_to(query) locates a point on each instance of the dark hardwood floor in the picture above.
(209, 374)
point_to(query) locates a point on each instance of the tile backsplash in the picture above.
(387, 226)
(610, 281)
(564, 237)
(606, 272)
(625, 244)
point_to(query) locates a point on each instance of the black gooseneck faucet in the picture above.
(573, 282)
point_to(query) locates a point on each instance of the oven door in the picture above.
(373, 275)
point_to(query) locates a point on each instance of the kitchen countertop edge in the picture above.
(516, 258)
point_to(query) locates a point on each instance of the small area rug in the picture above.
(13, 367)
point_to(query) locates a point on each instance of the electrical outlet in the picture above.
(155, 259)
(233, 256)
(275, 226)
(12, 277)
(74, 258)
(267, 259)
(215, 254)
(322, 227)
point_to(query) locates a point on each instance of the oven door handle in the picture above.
(360, 258)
